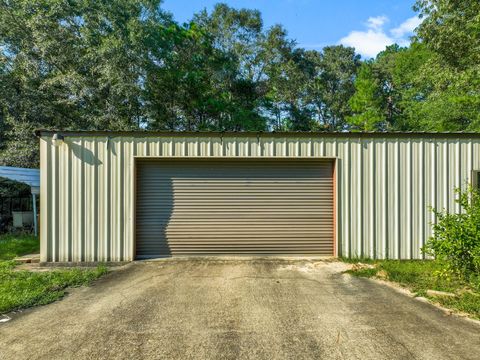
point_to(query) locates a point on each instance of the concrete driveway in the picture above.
(257, 309)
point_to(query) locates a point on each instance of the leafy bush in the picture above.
(456, 237)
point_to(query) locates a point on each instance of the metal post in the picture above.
(35, 229)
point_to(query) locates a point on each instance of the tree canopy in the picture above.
(127, 64)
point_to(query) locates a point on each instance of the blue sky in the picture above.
(368, 25)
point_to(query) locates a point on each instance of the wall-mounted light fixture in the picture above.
(57, 139)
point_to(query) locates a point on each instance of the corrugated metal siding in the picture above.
(385, 186)
(242, 207)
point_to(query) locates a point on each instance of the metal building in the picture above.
(118, 196)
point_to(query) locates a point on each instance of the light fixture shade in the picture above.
(57, 139)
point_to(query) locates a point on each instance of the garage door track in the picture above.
(237, 309)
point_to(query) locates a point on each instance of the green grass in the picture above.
(420, 276)
(23, 289)
(12, 246)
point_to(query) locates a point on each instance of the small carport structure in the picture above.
(30, 177)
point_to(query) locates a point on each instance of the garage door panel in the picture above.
(212, 231)
(195, 207)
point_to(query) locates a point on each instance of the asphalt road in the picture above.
(259, 309)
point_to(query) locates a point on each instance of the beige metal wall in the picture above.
(384, 186)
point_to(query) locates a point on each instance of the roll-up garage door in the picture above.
(234, 207)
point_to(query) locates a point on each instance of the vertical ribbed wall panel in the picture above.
(45, 206)
(385, 186)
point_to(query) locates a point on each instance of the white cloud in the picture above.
(375, 38)
(407, 27)
(367, 43)
(377, 22)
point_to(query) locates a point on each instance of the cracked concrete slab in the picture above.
(237, 309)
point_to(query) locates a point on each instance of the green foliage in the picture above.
(422, 275)
(75, 65)
(333, 85)
(467, 302)
(451, 28)
(366, 103)
(398, 71)
(392, 92)
(22, 289)
(126, 64)
(433, 85)
(13, 188)
(456, 237)
(363, 272)
(418, 275)
(453, 100)
(210, 81)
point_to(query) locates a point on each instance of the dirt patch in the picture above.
(361, 266)
(316, 266)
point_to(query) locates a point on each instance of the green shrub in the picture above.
(456, 237)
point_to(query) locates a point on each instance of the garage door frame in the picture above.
(334, 161)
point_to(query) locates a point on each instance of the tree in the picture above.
(453, 103)
(406, 90)
(278, 66)
(75, 65)
(126, 64)
(398, 71)
(208, 81)
(236, 35)
(366, 103)
(451, 28)
(288, 76)
(333, 85)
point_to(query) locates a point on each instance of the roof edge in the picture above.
(149, 133)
